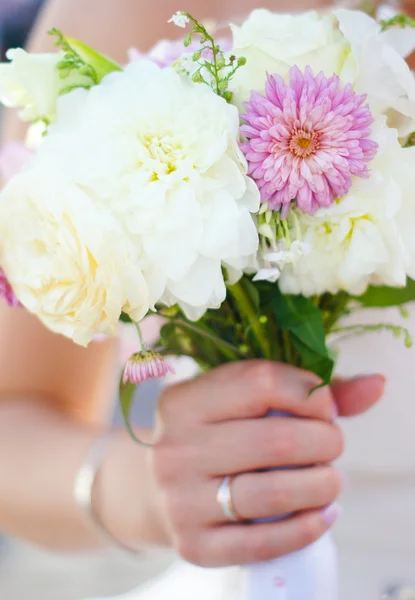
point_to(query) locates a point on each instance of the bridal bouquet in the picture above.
(252, 193)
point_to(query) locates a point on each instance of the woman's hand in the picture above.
(210, 427)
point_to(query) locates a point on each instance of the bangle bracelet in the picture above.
(84, 486)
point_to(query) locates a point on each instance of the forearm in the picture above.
(40, 454)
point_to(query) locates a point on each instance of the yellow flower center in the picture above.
(165, 151)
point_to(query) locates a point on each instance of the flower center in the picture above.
(164, 152)
(303, 143)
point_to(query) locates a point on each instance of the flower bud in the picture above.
(147, 364)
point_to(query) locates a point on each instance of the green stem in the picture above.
(228, 349)
(215, 65)
(396, 330)
(333, 308)
(288, 351)
(200, 29)
(140, 336)
(248, 311)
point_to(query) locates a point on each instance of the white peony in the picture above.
(67, 258)
(366, 237)
(273, 42)
(348, 43)
(380, 70)
(32, 83)
(161, 153)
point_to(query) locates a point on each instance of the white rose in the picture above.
(273, 42)
(32, 83)
(68, 260)
(366, 237)
(162, 154)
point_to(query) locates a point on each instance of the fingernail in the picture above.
(377, 376)
(335, 414)
(331, 514)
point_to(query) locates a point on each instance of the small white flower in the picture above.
(180, 19)
(32, 83)
(271, 274)
(275, 260)
(283, 255)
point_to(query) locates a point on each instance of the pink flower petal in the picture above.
(144, 365)
(306, 139)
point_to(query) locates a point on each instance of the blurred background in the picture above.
(378, 554)
(16, 19)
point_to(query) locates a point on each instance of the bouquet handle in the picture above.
(308, 574)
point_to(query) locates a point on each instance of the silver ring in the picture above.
(224, 499)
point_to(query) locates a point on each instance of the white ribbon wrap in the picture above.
(309, 574)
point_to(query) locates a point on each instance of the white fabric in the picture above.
(308, 574)
(187, 582)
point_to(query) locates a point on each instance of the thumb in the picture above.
(356, 396)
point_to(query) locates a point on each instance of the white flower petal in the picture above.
(68, 259)
(203, 280)
(268, 274)
(159, 154)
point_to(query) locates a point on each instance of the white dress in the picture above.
(376, 535)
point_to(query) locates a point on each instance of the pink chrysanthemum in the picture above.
(306, 139)
(144, 365)
(6, 292)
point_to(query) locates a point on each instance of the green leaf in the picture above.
(100, 63)
(304, 321)
(124, 318)
(383, 296)
(301, 317)
(253, 292)
(127, 392)
(322, 366)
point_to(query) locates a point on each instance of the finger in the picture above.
(358, 395)
(248, 389)
(276, 493)
(268, 443)
(245, 544)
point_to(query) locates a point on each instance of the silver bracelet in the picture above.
(84, 486)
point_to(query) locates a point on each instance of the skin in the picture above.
(56, 398)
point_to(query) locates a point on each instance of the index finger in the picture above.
(250, 389)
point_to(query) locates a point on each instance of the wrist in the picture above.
(127, 497)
